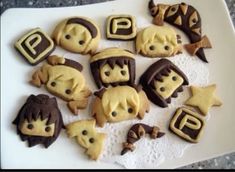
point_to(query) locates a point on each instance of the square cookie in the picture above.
(35, 46)
(121, 27)
(187, 124)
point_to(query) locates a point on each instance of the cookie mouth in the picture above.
(83, 142)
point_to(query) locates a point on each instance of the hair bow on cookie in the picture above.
(193, 48)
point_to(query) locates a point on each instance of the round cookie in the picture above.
(113, 66)
(77, 34)
(158, 41)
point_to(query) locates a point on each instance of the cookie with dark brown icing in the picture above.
(113, 66)
(35, 46)
(39, 121)
(136, 132)
(161, 81)
(187, 124)
(78, 35)
(121, 27)
(186, 18)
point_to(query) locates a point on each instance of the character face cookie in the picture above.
(186, 18)
(158, 41)
(119, 103)
(113, 66)
(63, 78)
(187, 124)
(78, 35)
(121, 27)
(39, 121)
(203, 98)
(87, 137)
(163, 80)
(136, 132)
(35, 46)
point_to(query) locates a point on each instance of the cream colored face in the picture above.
(37, 128)
(65, 81)
(117, 74)
(170, 83)
(75, 38)
(120, 103)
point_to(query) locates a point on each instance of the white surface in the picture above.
(65, 153)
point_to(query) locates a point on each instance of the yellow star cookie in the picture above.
(203, 98)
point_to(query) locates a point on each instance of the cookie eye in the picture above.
(107, 73)
(81, 42)
(68, 91)
(84, 132)
(30, 126)
(162, 89)
(174, 78)
(91, 140)
(53, 84)
(193, 19)
(47, 129)
(130, 110)
(166, 47)
(172, 10)
(67, 36)
(123, 72)
(152, 47)
(114, 113)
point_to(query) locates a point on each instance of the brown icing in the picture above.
(121, 31)
(136, 132)
(92, 29)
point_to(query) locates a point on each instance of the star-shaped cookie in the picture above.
(203, 98)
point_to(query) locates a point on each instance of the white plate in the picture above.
(15, 73)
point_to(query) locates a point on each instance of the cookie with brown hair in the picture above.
(39, 121)
(186, 18)
(158, 41)
(77, 35)
(87, 137)
(113, 66)
(119, 103)
(163, 80)
(63, 78)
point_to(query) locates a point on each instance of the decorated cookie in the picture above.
(121, 27)
(63, 78)
(158, 41)
(113, 66)
(186, 18)
(119, 103)
(187, 124)
(39, 120)
(35, 46)
(87, 137)
(203, 98)
(78, 35)
(163, 80)
(136, 132)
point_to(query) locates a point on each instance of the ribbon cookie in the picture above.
(39, 121)
(121, 27)
(35, 46)
(63, 78)
(187, 124)
(138, 131)
(119, 103)
(87, 137)
(156, 41)
(113, 66)
(186, 18)
(78, 35)
(203, 98)
(161, 81)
